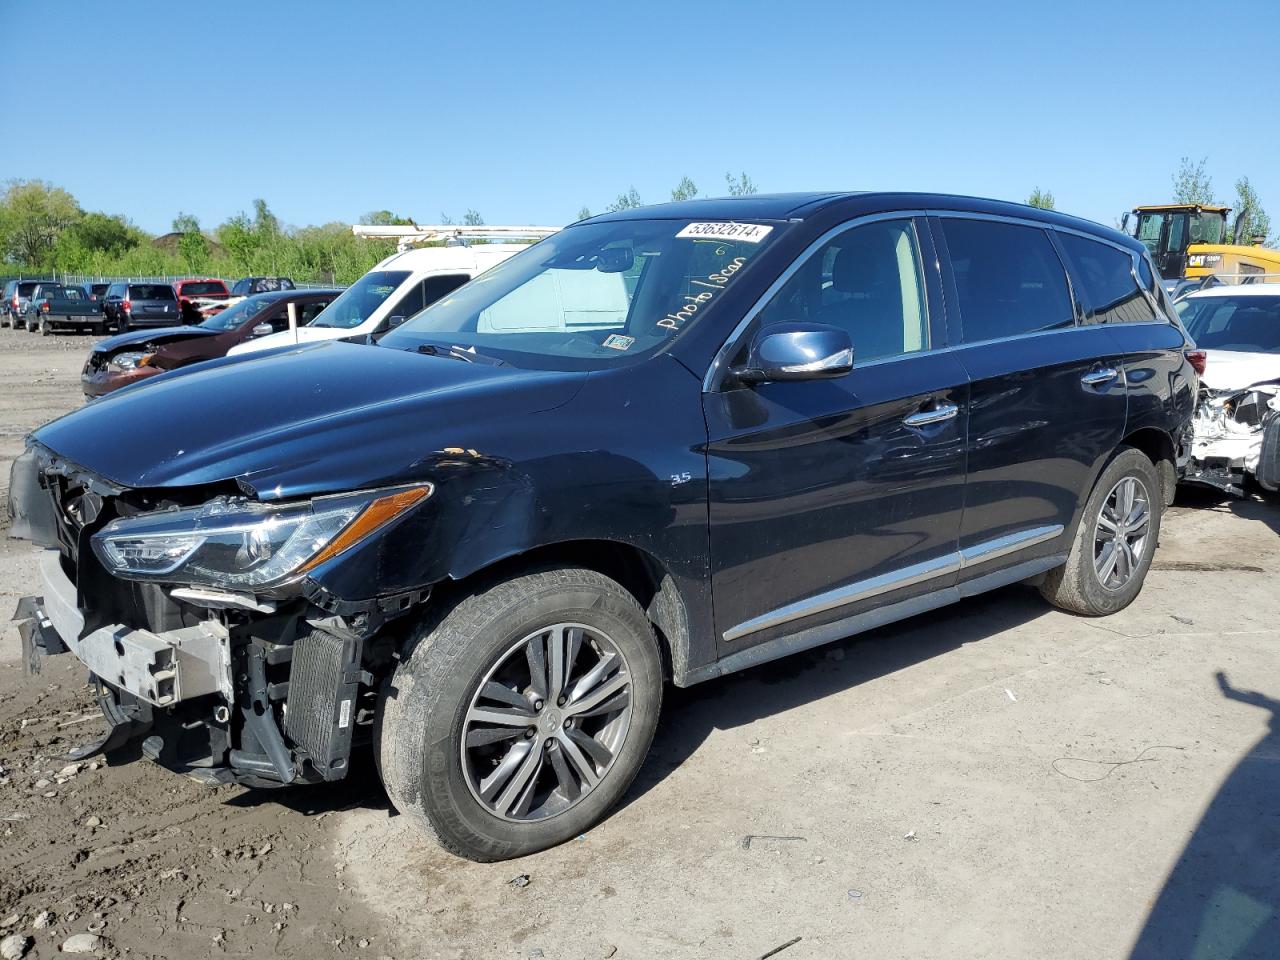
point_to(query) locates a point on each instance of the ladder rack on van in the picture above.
(407, 236)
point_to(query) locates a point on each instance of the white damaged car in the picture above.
(1236, 430)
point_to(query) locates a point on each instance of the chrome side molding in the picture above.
(896, 579)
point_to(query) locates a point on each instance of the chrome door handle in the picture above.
(1095, 378)
(938, 414)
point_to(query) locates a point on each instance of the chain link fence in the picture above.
(76, 279)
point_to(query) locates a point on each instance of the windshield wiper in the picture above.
(467, 355)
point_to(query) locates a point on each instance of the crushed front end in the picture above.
(1236, 432)
(201, 623)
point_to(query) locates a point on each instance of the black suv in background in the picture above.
(129, 305)
(740, 428)
(17, 294)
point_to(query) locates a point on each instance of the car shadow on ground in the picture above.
(1256, 504)
(690, 715)
(1222, 898)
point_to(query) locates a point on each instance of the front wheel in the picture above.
(1115, 540)
(520, 715)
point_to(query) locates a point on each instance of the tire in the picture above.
(1077, 585)
(426, 707)
(98, 329)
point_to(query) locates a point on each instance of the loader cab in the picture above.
(1166, 231)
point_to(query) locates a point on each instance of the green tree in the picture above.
(741, 186)
(1191, 184)
(472, 218)
(192, 245)
(1041, 198)
(33, 215)
(626, 201)
(584, 213)
(1256, 223)
(385, 218)
(686, 189)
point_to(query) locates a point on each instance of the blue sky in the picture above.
(529, 111)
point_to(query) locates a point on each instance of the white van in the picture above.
(398, 287)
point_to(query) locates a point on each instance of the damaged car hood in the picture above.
(329, 417)
(1235, 370)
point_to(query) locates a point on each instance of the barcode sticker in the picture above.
(750, 232)
(344, 715)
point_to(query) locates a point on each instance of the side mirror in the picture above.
(797, 351)
(393, 322)
(263, 330)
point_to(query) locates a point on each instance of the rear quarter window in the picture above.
(1009, 280)
(1105, 279)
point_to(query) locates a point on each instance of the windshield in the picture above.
(593, 294)
(356, 304)
(1248, 324)
(232, 317)
(203, 288)
(150, 291)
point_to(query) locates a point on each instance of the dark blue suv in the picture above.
(662, 444)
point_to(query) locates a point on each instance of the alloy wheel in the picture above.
(1120, 534)
(546, 722)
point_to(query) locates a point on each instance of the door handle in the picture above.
(1096, 378)
(936, 414)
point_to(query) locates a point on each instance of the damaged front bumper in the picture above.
(219, 703)
(1236, 433)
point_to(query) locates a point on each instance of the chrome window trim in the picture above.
(715, 372)
(842, 596)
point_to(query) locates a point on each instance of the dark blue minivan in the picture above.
(660, 445)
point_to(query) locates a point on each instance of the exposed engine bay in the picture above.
(1236, 432)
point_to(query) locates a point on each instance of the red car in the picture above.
(200, 299)
(140, 354)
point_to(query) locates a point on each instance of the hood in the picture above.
(316, 419)
(138, 338)
(1234, 370)
(285, 338)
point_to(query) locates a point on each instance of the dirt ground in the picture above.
(996, 779)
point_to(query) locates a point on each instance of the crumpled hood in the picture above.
(323, 418)
(138, 338)
(1235, 370)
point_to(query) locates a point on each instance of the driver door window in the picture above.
(867, 281)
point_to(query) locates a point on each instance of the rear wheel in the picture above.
(520, 716)
(1114, 543)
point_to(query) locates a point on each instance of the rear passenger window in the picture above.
(1008, 278)
(1105, 278)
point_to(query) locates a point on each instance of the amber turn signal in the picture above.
(377, 514)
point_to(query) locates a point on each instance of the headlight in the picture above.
(124, 362)
(239, 543)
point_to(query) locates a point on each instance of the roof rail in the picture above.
(406, 236)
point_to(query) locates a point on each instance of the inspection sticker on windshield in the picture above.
(750, 232)
(616, 341)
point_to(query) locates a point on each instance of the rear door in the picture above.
(831, 497)
(1047, 402)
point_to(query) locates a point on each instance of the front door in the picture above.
(829, 496)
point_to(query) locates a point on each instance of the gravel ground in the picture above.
(953, 786)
